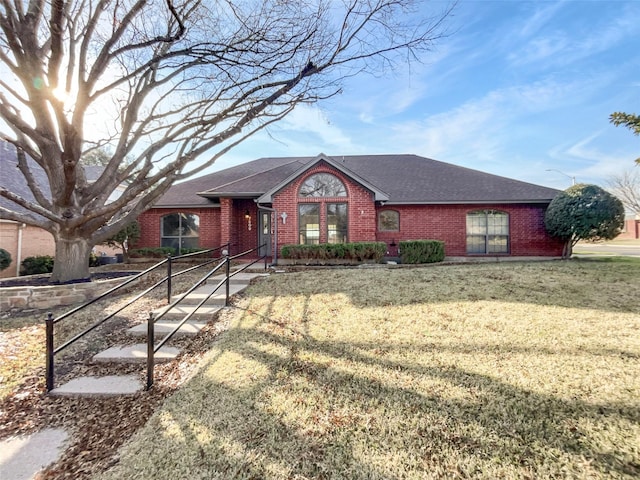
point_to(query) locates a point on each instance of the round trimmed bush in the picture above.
(36, 265)
(5, 259)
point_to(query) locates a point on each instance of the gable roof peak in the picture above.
(378, 194)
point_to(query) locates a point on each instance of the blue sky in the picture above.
(517, 89)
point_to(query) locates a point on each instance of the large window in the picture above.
(487, 232)
(388, 221)
(337, 223)
(323, 185)
(309, 223)
(180, 231)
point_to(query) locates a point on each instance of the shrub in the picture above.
(584, 212)
(124, 238)
(5, 259)
(94, 260)
(421, 251)
(36, 265)
(157, 252)
(359, 251)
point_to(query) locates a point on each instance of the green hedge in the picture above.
(5, 259)
(158, 252)
(360, 251)
(421, 251)
(36, 265)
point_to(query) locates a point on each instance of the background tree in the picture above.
(629, 120)
(124, 238)
(584, 212)
(172, 85)
(626, 186)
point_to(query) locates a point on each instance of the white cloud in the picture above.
(569, 44)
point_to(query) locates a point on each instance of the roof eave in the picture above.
(217, 194)
(187, 205)
(467, 202)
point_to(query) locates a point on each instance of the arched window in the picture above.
(389, 221)
(323, 185)
(487, 232)
(180, 231)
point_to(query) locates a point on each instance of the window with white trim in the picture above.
(180, 231)
(487, 232)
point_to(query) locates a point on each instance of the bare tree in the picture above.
(184, 81)
(626, 186)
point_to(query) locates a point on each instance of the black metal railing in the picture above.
(152, 347)
(51, 351)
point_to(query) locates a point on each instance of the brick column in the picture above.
(226, 221)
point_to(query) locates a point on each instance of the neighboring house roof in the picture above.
(395, 179)
(14, 181)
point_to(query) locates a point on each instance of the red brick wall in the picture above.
(150, 226)
(361, 208)
(438, 222)
(448, 223)
(245, 235)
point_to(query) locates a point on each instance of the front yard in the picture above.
(527, 370)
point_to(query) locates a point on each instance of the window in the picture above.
(309, 223)
(180, 230)
(389, 221)
(323, 185)
(487, 232)
(337, 223)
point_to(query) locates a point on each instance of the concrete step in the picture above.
(162, 327)
(242, 277)
(204, 313)
(218, 298)
(100, 386)
(135, 354)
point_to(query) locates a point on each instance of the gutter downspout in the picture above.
(275, 233)
(21, 227)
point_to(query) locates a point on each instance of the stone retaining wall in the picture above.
(42, 298)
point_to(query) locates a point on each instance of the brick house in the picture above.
(385, 198)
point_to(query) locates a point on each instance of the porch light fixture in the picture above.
(247, 217)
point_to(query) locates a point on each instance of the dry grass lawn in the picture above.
(527, 370)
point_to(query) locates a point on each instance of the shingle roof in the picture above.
(408, 179)
(14, 181)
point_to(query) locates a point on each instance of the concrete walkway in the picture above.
(21, 458)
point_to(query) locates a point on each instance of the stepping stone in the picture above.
(178, 313)
(99, 386)
(135, 354)
(163, 327)
(200, 293)
(22, 457)
(243, 277)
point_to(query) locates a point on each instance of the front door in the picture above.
(264, 232)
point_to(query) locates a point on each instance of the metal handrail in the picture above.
(50, 321)
(152, 348)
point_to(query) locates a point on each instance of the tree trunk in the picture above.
(72, 259)
(567, 250)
